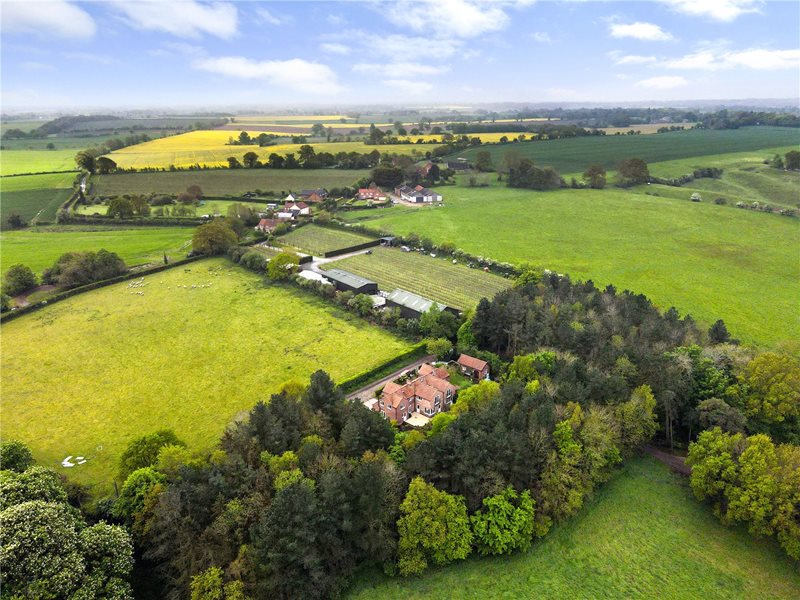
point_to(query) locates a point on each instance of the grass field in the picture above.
(39, 248)
(85, 376)
(32, 195)
(209, 207)
(225, 182)
(209, 147)
(573, 155)
(438, 279)
(36, 161)
(642, 536)
(319, 240)
(710, 261)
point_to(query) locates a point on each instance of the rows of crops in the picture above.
(319, 240)
(438, 279)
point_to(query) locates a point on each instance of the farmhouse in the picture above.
(297, 208)
(269, 225)
(314, 196)
(412, 306)
(417, 194)
(425, 169)
(349, 282)
(371, 194)
(416, 401)
(472, 367)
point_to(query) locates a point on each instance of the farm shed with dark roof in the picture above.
(349, 282)
(413, 306)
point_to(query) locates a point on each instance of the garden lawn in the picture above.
(40, 247)
(708, 261)
(434, 278)
(642, 536)
(13, 162)
(319, 240)
(87, 375)
(573, 155)
(225, 182)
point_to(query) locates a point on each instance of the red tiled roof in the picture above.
(472, 362)
(427, 369)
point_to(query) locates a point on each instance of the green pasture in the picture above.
(13, 162)
(225, 182)
(189, 349)
(40, 247)
(643, 535)
(435, 278)
(209, 207)
(708, 261)
(319, 240)
(32, 196)
(573, 155)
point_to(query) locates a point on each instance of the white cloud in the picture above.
(541, 36)
(336, 20)
(664, 82)
(443, 18)
(334, 48)
(52, 18)
(718, 59)
(32, 65)
(649, 32)
(718, 10)
(294, 74)
(632, 59)
(402, 69)
(183, 19)
(268, 18)
(412, 47)
(409, 86)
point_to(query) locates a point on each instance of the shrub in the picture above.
(143, 451)
(75, 269)
(18, 279)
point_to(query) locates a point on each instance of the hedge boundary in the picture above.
(348, 249)
(351, 384)
(11, 315)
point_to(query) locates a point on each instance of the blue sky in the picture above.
(213, 54)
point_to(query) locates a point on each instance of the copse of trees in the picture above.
(216, 237)
(632, 171)
(524, 174)
(18, 279)
(595, 177)
(74, 269)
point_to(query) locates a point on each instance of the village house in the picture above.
(416, 401)
(297, 208)
(314, 196)
(474, 368)
(269, 225)
(425, 170)
(371, 194)
(417, 194)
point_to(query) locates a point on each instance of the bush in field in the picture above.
(215, 237)
(595, 177)
(18, 279)
(120, 207)
(361, 304)
(75, 269)
(143, 451)
(15, 456)
(283, 266)
(632, 171)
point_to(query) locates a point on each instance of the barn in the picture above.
(349, 282)
(413, 306)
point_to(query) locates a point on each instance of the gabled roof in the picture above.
(348, 278)
(412, 301)
(428, 369)
(472, 363)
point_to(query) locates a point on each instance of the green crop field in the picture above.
(642, 536)
(573, 155)
(319, 240)
(189, 350)
(40, 247)
(710, 261)
(435, 278)
(13, 162)
(225, 182)
(32, 196)
(208, 207)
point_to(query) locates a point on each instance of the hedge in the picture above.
(10, 315)
(340, 251)
(358, 381)
(142, 222)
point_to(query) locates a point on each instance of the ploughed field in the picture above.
(319, 240)
(643, 535)
(225, 182)
(438, 279)
(706, 260)
(40, 247)
(188, 349)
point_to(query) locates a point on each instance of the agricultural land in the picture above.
(455, 285)
(319, 240)
(708, 260)
(34, 197)
(232, 341)
(643, 535)
(38, 248)
(16, 162)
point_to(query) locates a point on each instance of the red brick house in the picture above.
(428, 394)
(371, 194)
(268, 225)
(474, 368)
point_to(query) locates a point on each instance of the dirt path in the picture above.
(22, 299)
(368, 391)
(676, 463)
